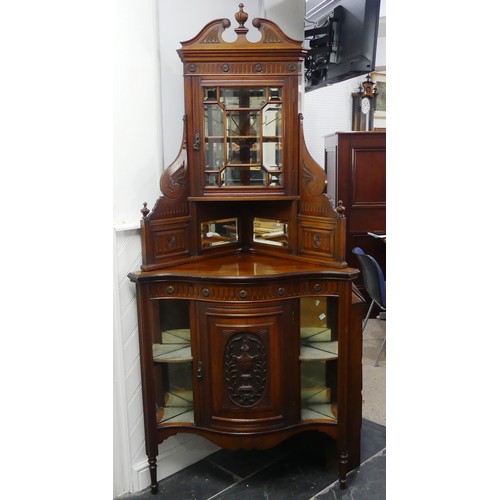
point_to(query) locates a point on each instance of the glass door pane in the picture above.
(173, 358)
(243, 141)
(318, 357)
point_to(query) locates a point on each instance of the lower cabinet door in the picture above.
(248, 370)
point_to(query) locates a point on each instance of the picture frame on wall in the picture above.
(379, 79)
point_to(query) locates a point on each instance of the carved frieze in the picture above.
(250, 293)
(241, 68)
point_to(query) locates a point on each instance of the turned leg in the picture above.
(343, 466)
(152, 472)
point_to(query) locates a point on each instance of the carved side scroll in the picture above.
(174, 187)
(165, 228)
(321, 225)
(312, 184)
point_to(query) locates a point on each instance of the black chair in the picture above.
(374, 281)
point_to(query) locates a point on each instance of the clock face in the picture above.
(365, 105)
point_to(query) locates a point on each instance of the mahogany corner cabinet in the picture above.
(249, 324)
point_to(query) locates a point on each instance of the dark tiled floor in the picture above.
(295, 469)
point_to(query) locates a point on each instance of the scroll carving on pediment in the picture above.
(212, 33)
(212, 36)
(270, 36)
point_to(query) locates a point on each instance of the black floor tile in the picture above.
(294, 469)
(372, 439)
(365, 483)
(199, 481)
(243, 463)
(298, 476)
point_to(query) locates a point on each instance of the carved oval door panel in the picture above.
(245, 350)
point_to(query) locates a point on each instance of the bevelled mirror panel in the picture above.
(270, 232)
(242, 97)
(219, 232)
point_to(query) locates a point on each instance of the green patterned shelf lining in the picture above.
(178, 408)
(172, 353)
(314, 395)
(176, 336)
(315, 404)
(315, 334)
(319, 351)
(316, 344)
(175, 347)
(318, 412)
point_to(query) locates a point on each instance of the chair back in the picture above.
(373, 276)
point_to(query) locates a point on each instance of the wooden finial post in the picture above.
(340, 209)
(145, 211)
(241, 17)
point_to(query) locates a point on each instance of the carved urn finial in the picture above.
(241, 17)
(340, 209)
(145, 211)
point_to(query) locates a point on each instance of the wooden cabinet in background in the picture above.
(355, 164)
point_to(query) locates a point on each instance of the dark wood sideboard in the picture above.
(356, 171)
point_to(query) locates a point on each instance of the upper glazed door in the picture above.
(243, 136)
(242, 111)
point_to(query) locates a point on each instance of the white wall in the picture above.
(137, 111)
(327, 110)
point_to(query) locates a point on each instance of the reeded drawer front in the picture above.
(244, 292)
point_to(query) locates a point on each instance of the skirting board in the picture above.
(173, 460)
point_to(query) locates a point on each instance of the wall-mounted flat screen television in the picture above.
(341, 38)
